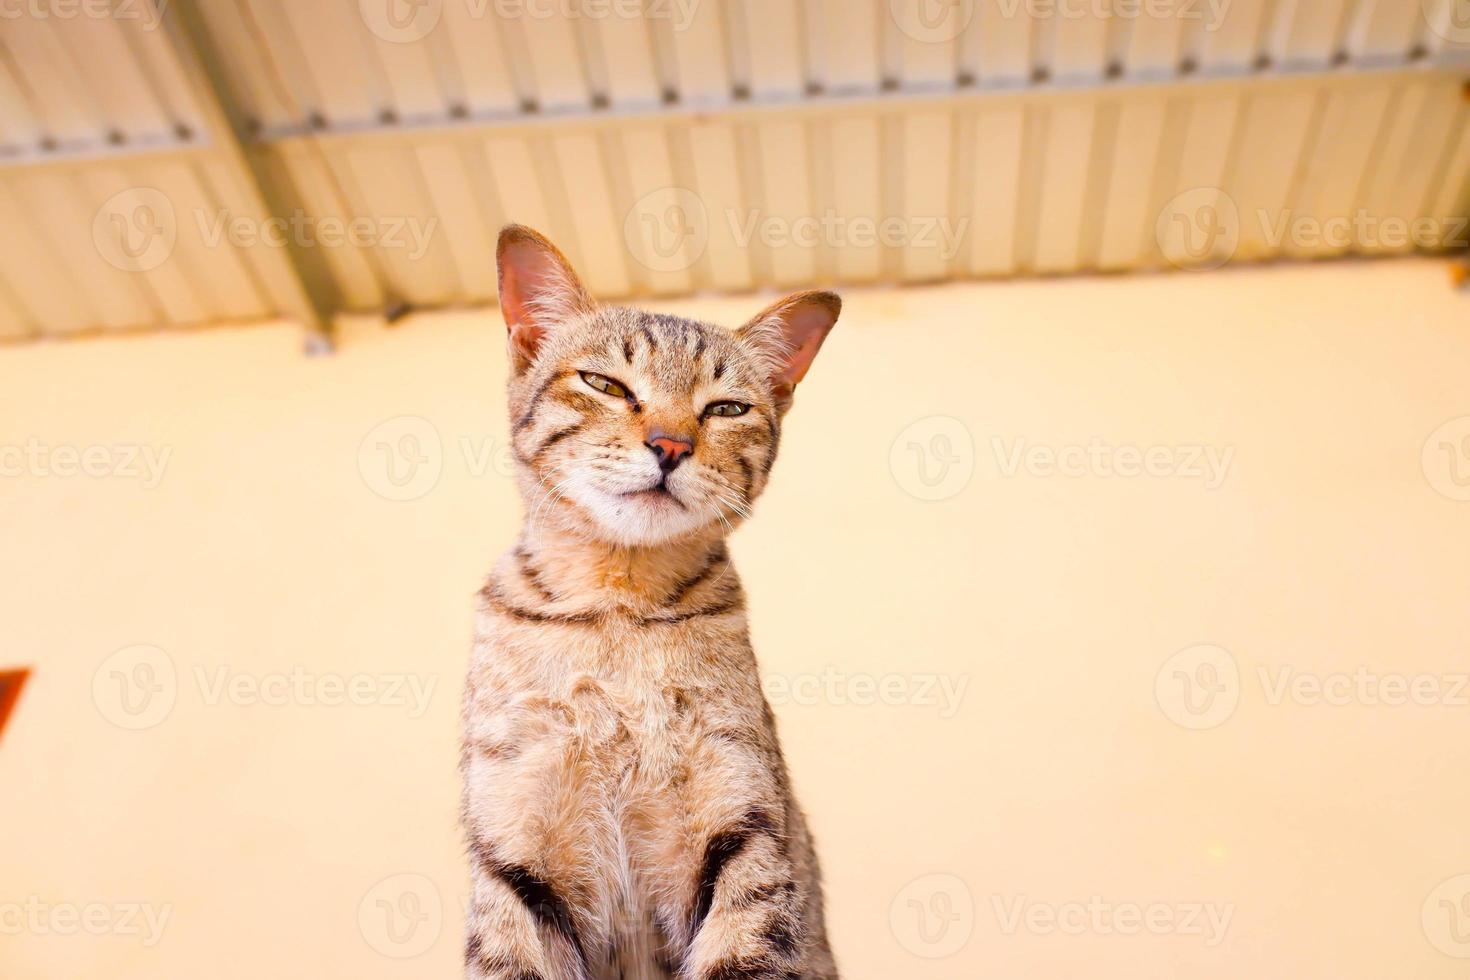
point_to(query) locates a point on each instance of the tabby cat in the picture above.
(627, 806)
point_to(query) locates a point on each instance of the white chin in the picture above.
(640, 518)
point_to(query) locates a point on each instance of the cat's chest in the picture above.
(580, 757)
(624, 705)
(631, 709)
(602, 754)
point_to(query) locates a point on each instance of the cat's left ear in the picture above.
(788, 335)
(539, 291)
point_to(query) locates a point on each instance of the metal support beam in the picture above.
(192, 47)
(755, 108)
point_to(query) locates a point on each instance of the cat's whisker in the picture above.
(733, 504)
(548, 499)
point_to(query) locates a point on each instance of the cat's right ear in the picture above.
(538, 291)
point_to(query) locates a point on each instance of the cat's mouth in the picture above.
(659, 493)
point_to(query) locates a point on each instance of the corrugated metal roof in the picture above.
(681, 145)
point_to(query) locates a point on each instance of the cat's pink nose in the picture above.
(670, 450)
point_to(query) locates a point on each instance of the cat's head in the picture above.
(639, 428)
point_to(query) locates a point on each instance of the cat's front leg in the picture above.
(748, 905)
(518, 929)
(524, 922)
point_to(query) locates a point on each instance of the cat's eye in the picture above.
(727, 409)
(605, 384)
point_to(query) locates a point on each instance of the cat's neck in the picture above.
(570, 564)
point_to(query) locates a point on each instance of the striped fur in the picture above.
(628, 809)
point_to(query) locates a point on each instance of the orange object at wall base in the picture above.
(11, 681)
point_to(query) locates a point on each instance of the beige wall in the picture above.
(1331, 835)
